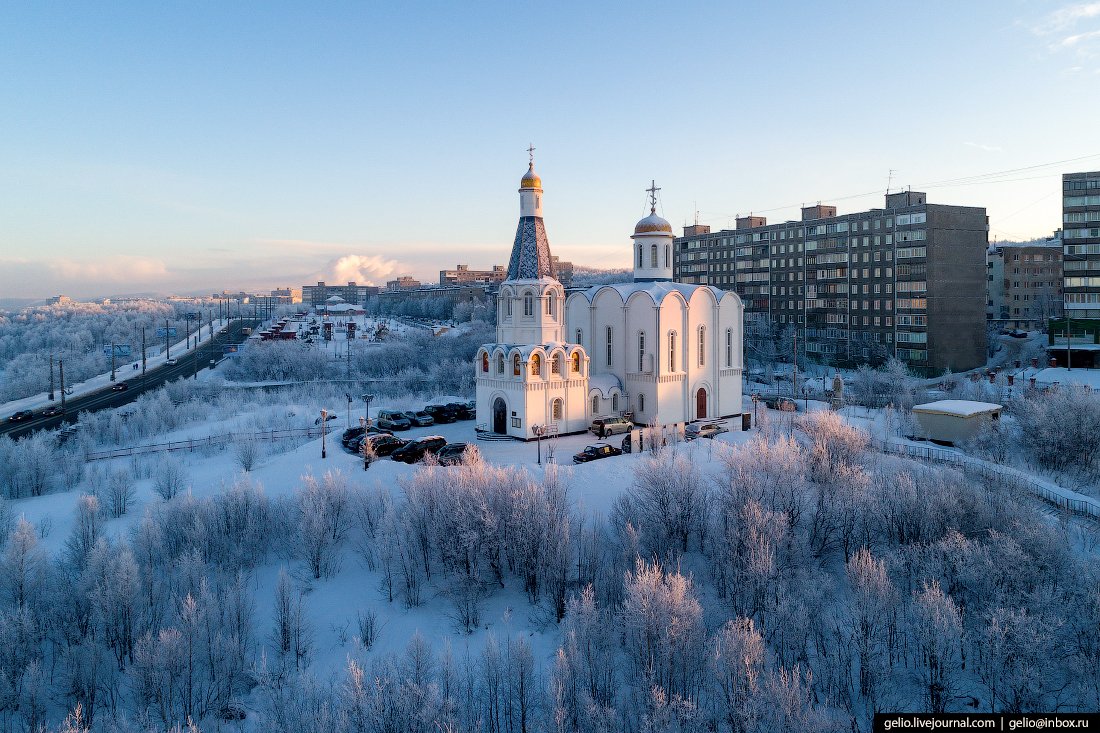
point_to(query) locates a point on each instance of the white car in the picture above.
(172, 362)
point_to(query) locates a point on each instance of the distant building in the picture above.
(60, 300)
(1081, 244)
(287, 295)
(403, 282)
(317, 295)
(462, 275)
(907, 280)
(1024, 284)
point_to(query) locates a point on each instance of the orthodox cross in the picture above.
(652, 190)
(531, 153)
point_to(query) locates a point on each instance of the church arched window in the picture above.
(668, 256)
(507, 307)
(639, 255)
(641, 351)
(702, 345)
(653, 256)
(641, 403)
(485, 362)
(672, 351)
(550, 303)
(500, 363)
(555, 364)
(729, 347)
(557, 410)
(536, 365)
(575, 362)
(609, 345)
(615, 403)
(528, 304)
(579, 334)
(515, 365)
(595, 404)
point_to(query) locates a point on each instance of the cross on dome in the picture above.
(652, 190)
(531, 154)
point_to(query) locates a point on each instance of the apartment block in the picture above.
(317, 295)
(1024, 284)
(1081, 244)
(463, 275)
(907, 280)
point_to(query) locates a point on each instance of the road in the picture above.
(105, 398)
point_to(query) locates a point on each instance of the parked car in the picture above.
(417, 449)
(441, 414)
(419, 418)
(462, 410)
(703, 430)
(120, 387)
(393, 420)
(596, 452)
(53, 411)
(604, 426)
(453, 454)
(21, 416)
(352, 434)
(1018, 334)
(783, 404)
(383, 444)
(172, 362)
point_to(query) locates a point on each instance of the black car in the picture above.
(453, 454)
(53, 411)
(417, 449)
(419, 419)
(462, 410)
(21, 416)
(596, 452)
(383, 444)
(441, 413)
(351, 434)
(120, 387)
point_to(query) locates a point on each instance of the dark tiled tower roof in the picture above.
(530, 258)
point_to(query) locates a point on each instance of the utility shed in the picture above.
(954, 421)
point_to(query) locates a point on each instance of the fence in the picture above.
(211, 440)
(1081, 506)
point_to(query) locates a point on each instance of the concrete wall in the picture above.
(956, 274)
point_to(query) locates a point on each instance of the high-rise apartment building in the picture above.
(908, 280)
(1081, 244)
(463, 275)
(1024, 284)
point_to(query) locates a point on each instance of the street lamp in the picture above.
(363, 444)
(538, 430)
(324, 425)
(755, 401)
(349, 409)
(368, 398)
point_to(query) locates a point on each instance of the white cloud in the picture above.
(986, 148)
(362, 269)
(1067, 17)
(1076, 39)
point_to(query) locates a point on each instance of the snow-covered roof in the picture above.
(656, 289)
(957, 408)
(605, 383)
(1061, 375)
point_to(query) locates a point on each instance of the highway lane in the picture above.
(187, 365)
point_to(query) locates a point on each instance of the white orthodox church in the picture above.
(659, 351)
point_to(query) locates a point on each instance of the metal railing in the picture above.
(192, 444)
(1082, 506)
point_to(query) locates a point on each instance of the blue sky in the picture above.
(199, 146)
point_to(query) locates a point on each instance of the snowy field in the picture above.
(793, 563)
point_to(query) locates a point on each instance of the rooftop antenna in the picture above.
(696, 202)
(889, 180)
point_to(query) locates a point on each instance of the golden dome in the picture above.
(530, 179)
(652, 223)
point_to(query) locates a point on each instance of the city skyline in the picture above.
(183, 150)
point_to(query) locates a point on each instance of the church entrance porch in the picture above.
(700, 404)
(500, 416)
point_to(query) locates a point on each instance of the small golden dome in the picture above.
(531, 179)
(652, 223)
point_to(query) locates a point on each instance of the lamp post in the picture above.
(363, 444)
(324, 426)
(112, 361)
(349, 409)
(755, 401)
(51, 378)
(538, 430)
(368, 398)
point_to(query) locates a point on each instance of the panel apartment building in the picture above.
(1025, 284)
(1081, 244)
(908, 280)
